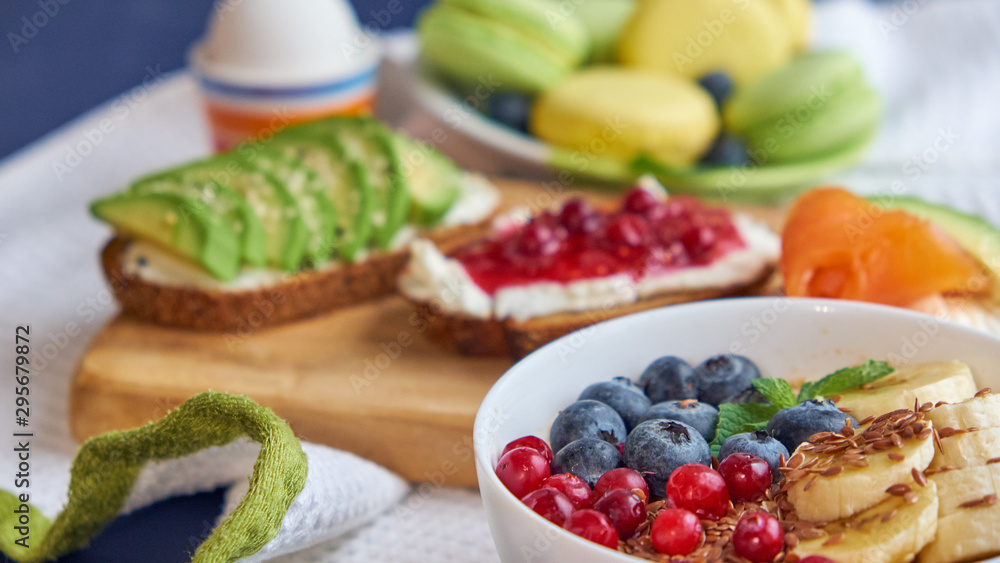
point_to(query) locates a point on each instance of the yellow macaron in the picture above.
(623, 113)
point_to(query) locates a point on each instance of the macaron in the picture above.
(517, 45)
(817, 104)
(745, 39)
(623, 112)
(796, 15)
(605, 19)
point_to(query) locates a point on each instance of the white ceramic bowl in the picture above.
(791, 338)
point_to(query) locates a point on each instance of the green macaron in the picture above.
(519, 45)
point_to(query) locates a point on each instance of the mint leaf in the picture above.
(734, 418)
(777, 390)
(844, 379)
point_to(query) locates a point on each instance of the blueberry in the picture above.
(718, 85)
(702, 416)
(750, 395)
(656, 447)
(587, 419)
(628, 402)
(758, 443)
(510, 108)
(726, 151)
(722, 377)
(794, 425)
(669, 379)
(587, 458)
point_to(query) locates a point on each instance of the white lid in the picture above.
(283, 43)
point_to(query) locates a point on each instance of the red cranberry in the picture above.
(533, 442)
(538, 239)
(573, 487)
(549, 504)
(700, 489)
(816, 559)
(594, 526)
(747, 476)
(758, 537)
(621, 478)
(639, 201)
(625, 509)
(675, 532)
(522, 470)
(698, 241)
(578, 217)
(628, 230)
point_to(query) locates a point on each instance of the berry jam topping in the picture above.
(646, 236)
(758, 537)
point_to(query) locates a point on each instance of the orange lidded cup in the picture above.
(264, 65)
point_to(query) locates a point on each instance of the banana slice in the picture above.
(981, 411)
(965, 485)
(968, 449)
(888, 532)
(937, 381)
(967, 535)
(856, 488)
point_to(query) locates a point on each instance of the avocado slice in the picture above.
(186, 225)
(978, 237)
(434, 180)
(309, 190)
(279, 211)
(223, 200)
(346, 178)
(371, 143)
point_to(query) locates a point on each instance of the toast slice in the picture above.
(303, 295)
(474, 336)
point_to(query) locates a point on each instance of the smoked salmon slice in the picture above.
(836, 244)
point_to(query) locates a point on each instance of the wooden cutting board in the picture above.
(362, 379)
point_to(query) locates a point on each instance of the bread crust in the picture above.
(305, 295)
(473, 336)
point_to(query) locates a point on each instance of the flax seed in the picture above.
(858, 463)
(847, 431)
(896, 457)
(937, 441)
(832, 471)
(919, 477)
(898, 490)
(947, 432)
(809, 484)
(911, 498)
(926, 407)
(791, 540)
(866, 420)
(820, 437)
(888, 515)
(984, 391)
(796, 460)
(940, 403)
(852, 457)
(992, 460)
(925, 433)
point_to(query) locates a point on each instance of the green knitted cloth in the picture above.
(107, 466)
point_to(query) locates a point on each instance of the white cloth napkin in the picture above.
(938, 68)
